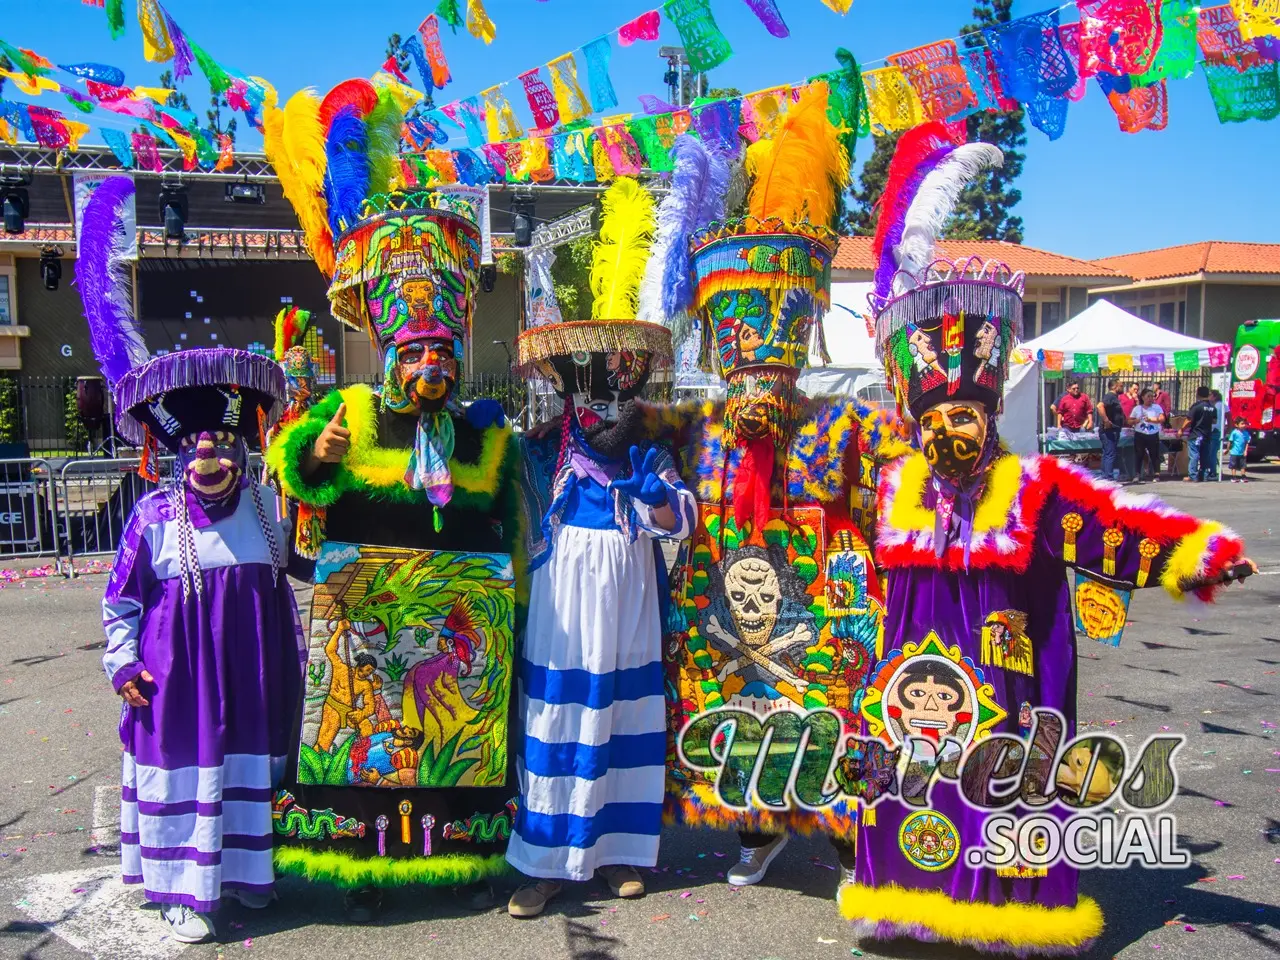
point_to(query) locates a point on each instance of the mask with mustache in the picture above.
(599, 391)
(953, 436)
(212, 464)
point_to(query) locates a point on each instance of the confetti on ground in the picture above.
(660, 917)
(686, 895)
(1235, 876)
(825, 940)
(1189, 928)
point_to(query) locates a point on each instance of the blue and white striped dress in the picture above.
(591, 763)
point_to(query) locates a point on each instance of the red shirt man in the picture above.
(1074, 410)
(1163, 400)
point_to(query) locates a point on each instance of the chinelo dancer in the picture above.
(776, 604)
(976, 542)
(404, 775)
(591, 691)
(203, 639)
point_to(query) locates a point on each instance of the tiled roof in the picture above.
(854, 253)
(1209, 256)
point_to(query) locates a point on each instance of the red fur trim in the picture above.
(1223, 552)
(1155, 521)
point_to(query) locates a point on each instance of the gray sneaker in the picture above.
(753, 862)
(185, 925)
(250, 899)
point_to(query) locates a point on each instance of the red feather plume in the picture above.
(914, 148)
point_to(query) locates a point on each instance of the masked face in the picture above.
(426, 371)
(212, 463)
(953, 436)
(930, 700)
(600, 390)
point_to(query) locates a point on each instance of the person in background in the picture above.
(1163, 400)
(1238, 451)
(1073, 410)
(1129, 399)
(1146, 418)
(1200, 422)
(1219, 428)
(1111, 417)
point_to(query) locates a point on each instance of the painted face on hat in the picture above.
(600, 390)
(426, 371)
(212, 463)
(953, 435)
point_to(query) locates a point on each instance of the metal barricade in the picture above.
(26, 509)
(94, 498)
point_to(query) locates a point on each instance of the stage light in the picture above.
(51, 267)
(173, 210)
(522, 206)
(17, 207)
(244, 193)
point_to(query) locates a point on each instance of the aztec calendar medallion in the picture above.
(929, 840)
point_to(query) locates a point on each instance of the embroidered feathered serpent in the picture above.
(311, 824)
(483, 828)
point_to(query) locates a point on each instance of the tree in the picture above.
(724, 93)
(178, 100)
(214, 116)
(860, 214)
(983, 211)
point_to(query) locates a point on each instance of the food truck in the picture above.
(1255, 385)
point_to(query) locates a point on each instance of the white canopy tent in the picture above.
(1105, 328)
(854, 370)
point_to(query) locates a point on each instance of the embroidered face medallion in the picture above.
(952, 435)
(212, 463)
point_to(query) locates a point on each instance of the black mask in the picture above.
(599, 390)
(952, 455)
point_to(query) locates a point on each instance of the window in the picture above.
(1029, 319)
(1050, 315)
(1147, 312)
(6, 303)
(1167, 313)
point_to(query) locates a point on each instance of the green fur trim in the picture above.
(513, 530)
(376, 471)
(288, 451)
(349, 873)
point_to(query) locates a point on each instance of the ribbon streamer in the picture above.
(478, 23)
(429, 31)
(157, 46)
(598, 53)
(570, 99)
(643, 27)
(542, 101)
(704, 44)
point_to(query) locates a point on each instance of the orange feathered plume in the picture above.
(800, 171)
(293, 139)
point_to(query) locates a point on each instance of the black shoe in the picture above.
(478, 896)
(363, 905)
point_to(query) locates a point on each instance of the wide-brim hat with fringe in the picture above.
(537, 346)
(191, 391)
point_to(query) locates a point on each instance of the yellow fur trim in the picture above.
(908, 512)
(1019, 925)
(386, 466)
(1186, 561)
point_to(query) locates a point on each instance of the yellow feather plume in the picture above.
(800, 171)
(627, 224)
(293, 139)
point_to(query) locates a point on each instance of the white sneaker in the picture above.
(847, 875)
(250, 899)
(753, 862)
(185, 925)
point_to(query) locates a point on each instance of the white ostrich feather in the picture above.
(934, 202)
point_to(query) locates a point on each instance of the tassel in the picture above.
(437, 522)
(262, 430)
(753, 483)
(868, 816)
(147, 468)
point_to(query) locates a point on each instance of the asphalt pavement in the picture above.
(1210, 673)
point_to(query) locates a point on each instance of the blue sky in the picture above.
(1093, 192)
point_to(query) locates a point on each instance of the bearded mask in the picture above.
(420, 375)
(953, 436)
(599, 391)
(212, 464)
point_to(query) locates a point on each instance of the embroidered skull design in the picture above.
(755, 599)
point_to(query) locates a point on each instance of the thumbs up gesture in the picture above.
(332, 444)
